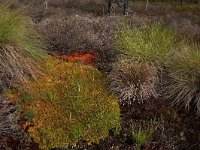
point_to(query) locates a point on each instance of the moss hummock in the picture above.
(70, 104)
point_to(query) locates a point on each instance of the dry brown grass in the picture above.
(15, 67)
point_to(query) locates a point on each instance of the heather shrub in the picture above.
(153, 44)
(95, 7)
(133, 81)
(78, 32)
(20, 48)
(69, 104)
(82, 34)
(184, 70)
(10, 130)
(182, 18)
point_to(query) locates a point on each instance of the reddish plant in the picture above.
(86, 59)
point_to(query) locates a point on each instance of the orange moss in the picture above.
(86, 59)
(69, 104)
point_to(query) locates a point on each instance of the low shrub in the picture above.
(11, 134)
(70, 33)
(96, 7)
(133, 81)
(181, 18)
(184, 70)
(179, 58)
(83, 34)
(153, 44)
(70, 104)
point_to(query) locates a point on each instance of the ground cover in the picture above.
(152, 63)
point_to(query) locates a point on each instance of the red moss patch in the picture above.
(80, 58)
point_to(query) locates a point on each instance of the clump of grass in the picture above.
(16, 30)
(184, 70)
(70, 104)
(20, 48)
(152, 44)
(164, 49)
(16, 68)
(142, 135)
(133, 81)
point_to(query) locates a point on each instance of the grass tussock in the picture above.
(153, 44)
(165, 50)
(20, 48)
(133, 81)
(70, 104)
(17, 31)
(184, 70)
(15, 67)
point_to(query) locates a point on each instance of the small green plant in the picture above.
(142, 135)
(153, 44)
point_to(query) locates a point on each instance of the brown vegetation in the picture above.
(15, 67)
(133, 81)
(11, 134)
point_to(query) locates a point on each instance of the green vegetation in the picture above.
(184, 69)
(70, 104)
(16, 30)
(61, 104)
(160, 46)
(153, 44)
(142, 135)
(20, 49)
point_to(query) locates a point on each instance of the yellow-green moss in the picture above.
(68, 105)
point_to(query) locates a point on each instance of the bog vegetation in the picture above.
(71, 76)
(164, 49)
(20, 47)
(69, 104)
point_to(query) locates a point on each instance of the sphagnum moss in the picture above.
(70, 104)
